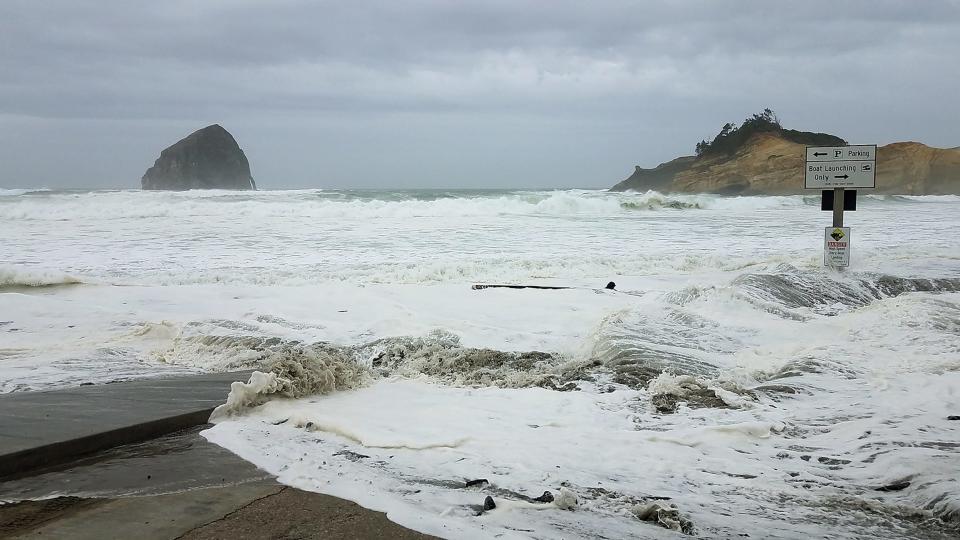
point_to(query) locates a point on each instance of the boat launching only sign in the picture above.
(836, 247)
(838, 168)
(841, 167)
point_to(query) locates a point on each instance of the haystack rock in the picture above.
(770, 164)
(209, 158)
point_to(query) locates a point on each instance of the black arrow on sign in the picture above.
(844, 176)
(819, 153)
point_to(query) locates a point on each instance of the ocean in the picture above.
(730, 385)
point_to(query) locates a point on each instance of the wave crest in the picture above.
(119, 205)
(13, 277)
(302, 371)
(792, 288)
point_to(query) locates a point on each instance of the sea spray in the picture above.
(299, 371)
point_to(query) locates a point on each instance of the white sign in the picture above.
(830, 167)
(862, 152)
(836, 174)
(836, 247)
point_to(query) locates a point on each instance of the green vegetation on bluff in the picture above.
(732, 137)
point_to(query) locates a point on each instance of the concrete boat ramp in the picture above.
(43, 429)
(125, 460)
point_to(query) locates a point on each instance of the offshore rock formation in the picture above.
(208, 158)
(770, 164)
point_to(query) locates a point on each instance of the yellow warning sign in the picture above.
(836, 246)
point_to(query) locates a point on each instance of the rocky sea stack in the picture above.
(760, 157)
(208, 158)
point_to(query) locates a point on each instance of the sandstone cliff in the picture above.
(770, 164)
(208, 158)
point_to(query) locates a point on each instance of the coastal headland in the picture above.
(761, 157)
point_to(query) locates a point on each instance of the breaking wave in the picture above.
(291, 368)
(635, 348)
(915, 198)
(678, 362)
(317, 204)
(13, 277)
(298, 372)
(792, 288)
(794, 293)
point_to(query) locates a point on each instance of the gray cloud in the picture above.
(442, 93)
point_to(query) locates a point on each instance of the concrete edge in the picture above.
(28, 461)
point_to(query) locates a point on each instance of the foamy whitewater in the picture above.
(730, 386)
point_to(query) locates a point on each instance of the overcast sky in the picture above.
(430, 93)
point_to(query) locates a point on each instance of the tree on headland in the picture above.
(702, 147)
(732, 137)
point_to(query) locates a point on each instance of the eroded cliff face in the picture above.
(209, 158)
(771, 165)
(913, 168)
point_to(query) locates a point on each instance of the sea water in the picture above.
(730, 385)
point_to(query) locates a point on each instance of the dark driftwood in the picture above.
(485, 286)
(610, 286)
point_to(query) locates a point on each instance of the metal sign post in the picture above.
(839, 167)
(838, 207)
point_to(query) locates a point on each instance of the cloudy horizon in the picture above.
(433, 93)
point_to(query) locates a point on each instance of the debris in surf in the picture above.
(610, 286)
(547, 497)
(488, 505)
(832, 461)
(477, 482)
(352, 456)
(952, 417)
(551, 383)
(481, 286)
(896, 486)
(777, 389)
(666, 515)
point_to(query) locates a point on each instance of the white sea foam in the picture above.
(797, 440)
(729, 371)
(306, 237)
